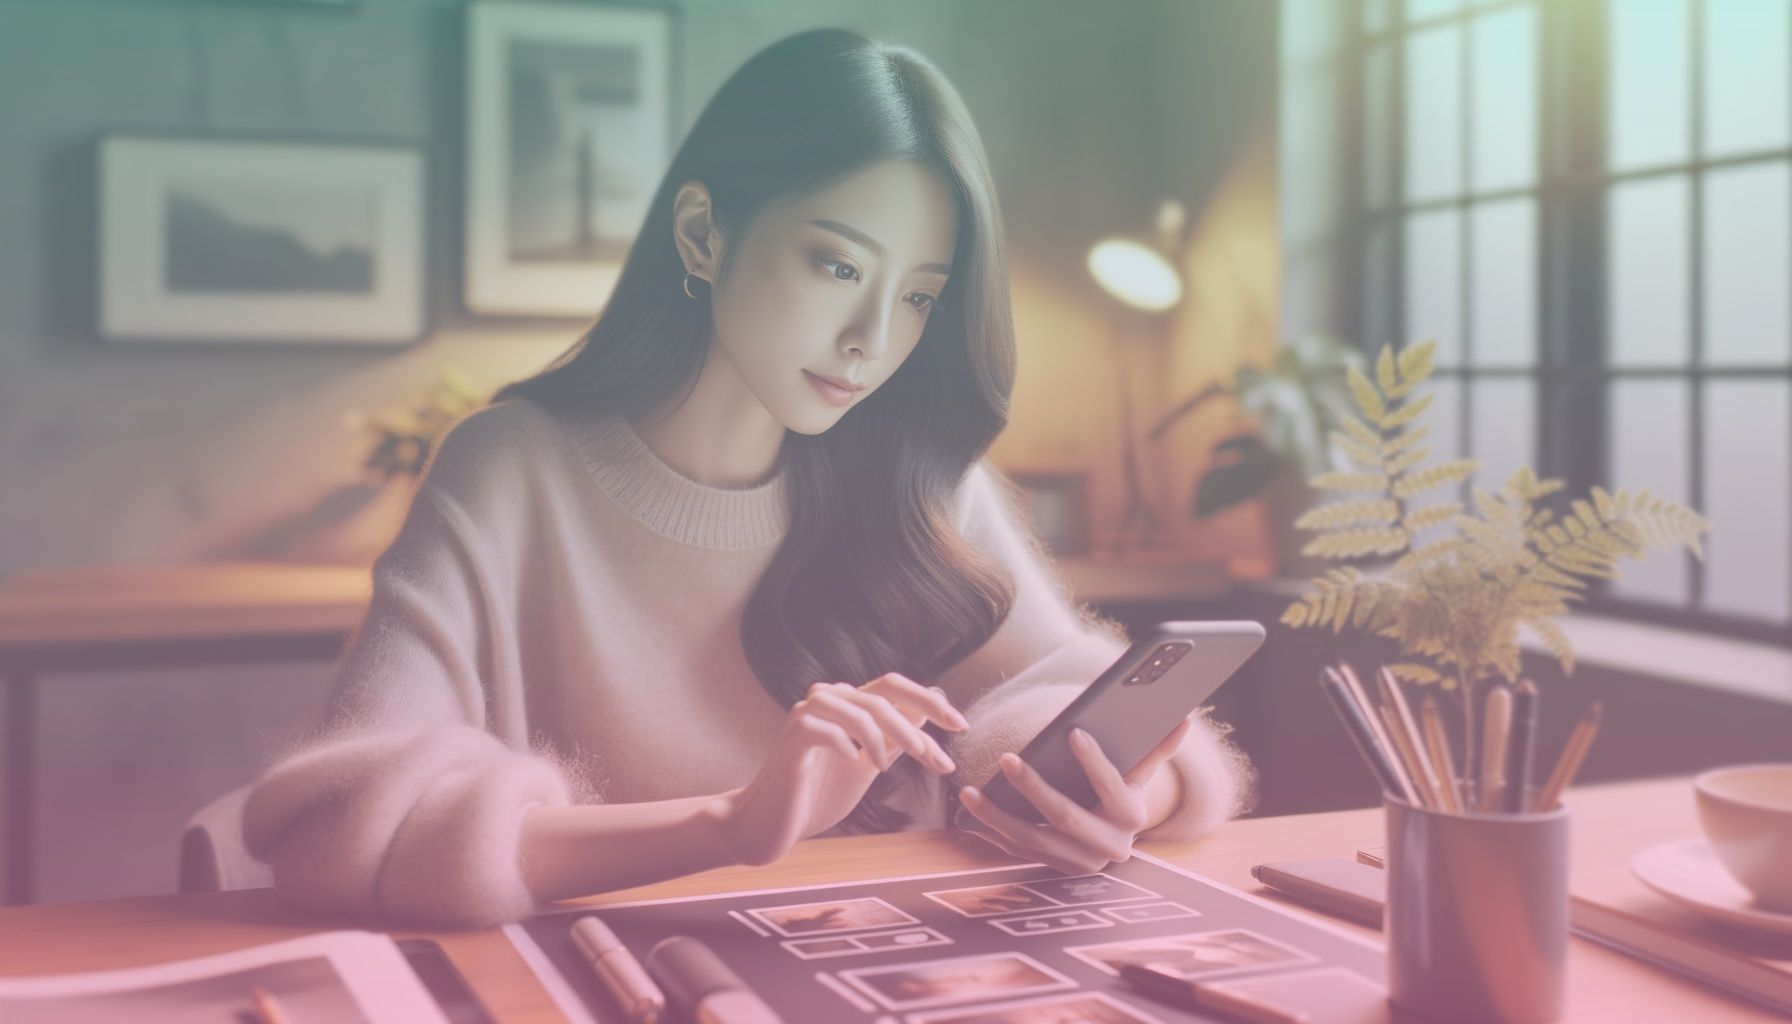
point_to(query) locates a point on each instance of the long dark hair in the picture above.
(871, 578)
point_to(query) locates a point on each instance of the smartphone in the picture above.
(1168, 672)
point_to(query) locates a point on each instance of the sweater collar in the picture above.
(672, 504)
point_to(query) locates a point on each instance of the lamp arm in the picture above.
(1188, 406)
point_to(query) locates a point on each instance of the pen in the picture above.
(1437, 742)
(1356, 723)
(1393, 698)
(1497, 728)
(1579, 742)
(1409, 756)
(1524, 742)
(1161, 984)
(618, 970)
(1300, 881)
(702, 986)
(265, 1007)
(1360, 696)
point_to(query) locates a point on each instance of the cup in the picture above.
(1477, 914)
(1746, 814)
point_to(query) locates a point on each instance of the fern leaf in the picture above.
(1345, 513)
(1413, 672)
(1367, 456)
(1369, 438)
(1454, 471)
(1340, 614)
(1604, 505)
(1385, 378)
(1407, 412)
(1366, 398)
(1403, 440)
(1402, 463)
(1415, 362)
(1350, 482)
(1556, 641)
(1431, 515)
(1356, 543)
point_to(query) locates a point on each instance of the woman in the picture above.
(689, 595)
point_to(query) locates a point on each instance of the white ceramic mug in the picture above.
(1746, 813)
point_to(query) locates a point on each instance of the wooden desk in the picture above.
(1610, 823)
(152, 617)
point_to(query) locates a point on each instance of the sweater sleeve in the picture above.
(406, 801)
(1044, 654)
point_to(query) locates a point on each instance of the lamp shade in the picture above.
(1136, 274)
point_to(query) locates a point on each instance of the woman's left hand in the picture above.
(1076, 839)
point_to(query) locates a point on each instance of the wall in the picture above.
(163, 453)
(171, 453)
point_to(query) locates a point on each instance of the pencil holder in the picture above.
(1477, 914)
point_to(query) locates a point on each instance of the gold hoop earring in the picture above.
(687, 284)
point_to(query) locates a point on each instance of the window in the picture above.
(1588, 205)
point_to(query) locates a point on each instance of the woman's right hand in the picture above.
(816, 775)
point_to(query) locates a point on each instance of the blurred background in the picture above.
(256, 255)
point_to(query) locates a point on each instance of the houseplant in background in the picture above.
(351, 523)
(1454, 603)
(403, 441)
(1293, 405)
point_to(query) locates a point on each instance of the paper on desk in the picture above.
(352, 977)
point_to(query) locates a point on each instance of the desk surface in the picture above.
(1610, 823)
(74, 607)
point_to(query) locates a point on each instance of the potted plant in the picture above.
(402, 441)
(1455, 604)
(1294, 406)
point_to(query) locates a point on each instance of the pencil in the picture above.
(1496, 730)
(1356, 723)
(1402, 716)
(1409, 753)
(1408, 790)
(1437, 742)
(1519, 752)
(1579, 742)
(265, 1007)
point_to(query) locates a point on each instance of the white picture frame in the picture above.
(253, 241)
(556, 189)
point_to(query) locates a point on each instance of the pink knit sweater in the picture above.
(558, 621)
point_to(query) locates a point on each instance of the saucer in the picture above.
(1688, 872)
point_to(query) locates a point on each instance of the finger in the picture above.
(1156, 756)
(994, 836)
(929, 701)
(1061, 812)
(825, 733)
(919, 745)
(858, 723)
(1025, 839)
(1010, 828)
(920, 703)
(1103, 774)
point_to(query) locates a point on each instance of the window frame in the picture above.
(1571, 373)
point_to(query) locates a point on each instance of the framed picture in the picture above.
(1057, 503)
(569, 117)
(253, 241)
